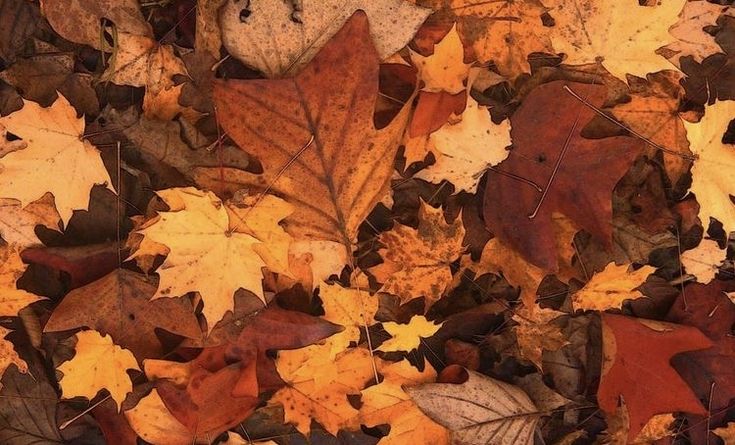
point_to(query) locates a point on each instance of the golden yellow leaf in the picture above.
(97, 364)
(351, 308)
(54, 143)
(310, 395)
(445, 69)
(712, 176)
(152, 421)
(727, 433)
(388, 403)
(611, 287)
(416, 261)
(12, 299)
(703, 260)
(624, 34)
(465, 149)
(229, 245)
(536, 332)
(8, 356)
(407, 337)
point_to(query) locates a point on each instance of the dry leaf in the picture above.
(444, 70)
(703, 261)
(407, 337)
(609, 288)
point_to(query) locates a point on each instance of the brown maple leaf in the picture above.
(547, 144)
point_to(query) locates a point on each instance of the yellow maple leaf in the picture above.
(407, 337)
(228, 245)
(416, 261)
(154, 423)
(536, 332)
(624, 34)
(444, 70)
(712, 177)
(310, 395)
(351, 308)
(388, 403)
(12, 299)
(97, 364)
(54, 143)
(611, 287)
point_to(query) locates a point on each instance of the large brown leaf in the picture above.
(314, 135)
(548, 122)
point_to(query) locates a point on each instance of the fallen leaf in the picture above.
(8, 356)
(444, 69)
(704, 260)
(97, 364)
(691, 38)
(350, 308)
(407, 337)
(18, 224)
(305, 27)
(18, 23)
(551, 114)
(726, 433)
(153, 422)
(609, 288)
(12, 299)
(536, 332)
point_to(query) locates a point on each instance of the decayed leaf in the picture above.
(416, 261)
(480, 410)
(712, 179)
(98, 364)
(691, 38)
(248, 29)
(321, 393)
(54, 142)
(318, 145)
(407, 337)
(466, 149)
(229, 245)
(536, 332)
(551, 114)
(388, 403)
(18, 224)
(444, 70)
(624, 34)
(727, 433)
(624, 360)
(119, 304)
(609, 288)
(505, 32)
(12, 299)
(703, 261)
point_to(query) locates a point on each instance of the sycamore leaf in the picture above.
(54, 142)
(304, 29)
(703, 261)
(624, 34)
(712, 177)
(315, 137)
(416, 261)
(228, 245)
(12, 299)
(505, 32)
(611, 287)
(388, 403)
(481, 410)
(445, 69)
(624, 360)
(407, 337)
(466, 149)
(98, 364)
(691, 38)
(321, 393)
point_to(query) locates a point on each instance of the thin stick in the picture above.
(79, 416)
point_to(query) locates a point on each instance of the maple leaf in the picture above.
(704, 260)
(350, 308)
(304, 29)
(708, 308)
(536, 332)
(123, 308)
(711, 179)
(505, 32)
(204, 236)
(154, 423)
(54, 141)
(466, 149)
(479, 409)
(97, 364)
(416, 261)
(18, 223)
(691, 38)
(321, 393)
(624, 34)
(625, 361)
(609, 288)
(388, 403)
(8, 356)
(552, 115)
(407, 337)
(444, 69)
(12, 299)
(319, 148)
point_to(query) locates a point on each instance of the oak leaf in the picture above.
(479, 409)
(97, 364)
(550, 113)
(711, 178)
(609, 288)
(123, 308)
(416, 261)
(318, 146)
(304, 29)
(53, 138)
(624, 360)
(407, 337)
(624, 34)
